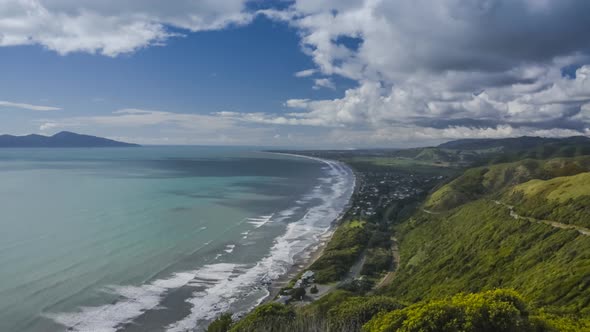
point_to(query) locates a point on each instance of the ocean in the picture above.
(154, 238)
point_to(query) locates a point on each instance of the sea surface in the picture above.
(153, 238)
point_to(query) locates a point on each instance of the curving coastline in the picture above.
(315, 251)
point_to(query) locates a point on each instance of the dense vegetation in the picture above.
(480, 246)
(479, 182)
(466, 153)
(467, 262)
(347, 243)
(494, 311)
(498, 310)
(268, 317)
(562, 199)
(493, 151)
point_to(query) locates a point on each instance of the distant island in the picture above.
(64, 139)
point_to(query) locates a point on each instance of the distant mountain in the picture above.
(63, 139)
(513, 143)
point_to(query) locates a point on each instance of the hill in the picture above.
(503, 226)
(502, 247)
(563, 199)
(492, 151)
(480, 181)
(63, 139)
(513, 143)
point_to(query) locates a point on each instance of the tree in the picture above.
(314, 289)
(298, 293)
(221, 324)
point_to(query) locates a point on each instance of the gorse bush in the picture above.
(221, 324)
(480, 246)
(271, 317)
(351, 314)
(497, 310)
(491, 311)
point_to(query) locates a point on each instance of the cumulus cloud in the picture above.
(448, 68)
(323, 83)
(110, 27)
(29, 107)
(425, 70)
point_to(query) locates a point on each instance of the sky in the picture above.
(302, 73)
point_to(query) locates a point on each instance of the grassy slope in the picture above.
(481, 181)
(562, 199)
(557, 189)
(472, 244)
(479, 246)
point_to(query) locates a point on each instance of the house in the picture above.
(308, 276)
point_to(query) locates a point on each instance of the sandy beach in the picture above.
(303, 262)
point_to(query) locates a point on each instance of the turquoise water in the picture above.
(153, 238)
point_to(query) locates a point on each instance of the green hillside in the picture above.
(503, 247)
(477, 182)
(479, 246)
(562, 199)
(503, 227)
(493, 151)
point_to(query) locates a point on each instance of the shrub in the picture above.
(267, 317)
(493, 311)
(221, 324)
(298, 293)
(378, 260)
(351, 314)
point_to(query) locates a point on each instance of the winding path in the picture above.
(513, 214)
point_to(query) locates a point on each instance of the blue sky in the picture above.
(244, 69)
(351, 73)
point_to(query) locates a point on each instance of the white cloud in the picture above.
(448, 68)
(305, 73)
(426, 70)
(132, 117)
(140, 125)
(292, 119)
(110, 27)
(319, 83)
(30, 107)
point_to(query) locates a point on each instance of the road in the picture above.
(513, 214)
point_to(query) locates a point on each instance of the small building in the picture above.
(308, 276)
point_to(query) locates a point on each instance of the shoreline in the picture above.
(309, 256)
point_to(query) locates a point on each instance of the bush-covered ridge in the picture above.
(478, 182)
(564, 199)
(498, 310)
(480, 246)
